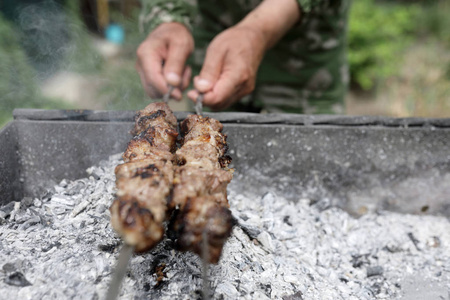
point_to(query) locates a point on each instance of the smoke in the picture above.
(55, 38)
(46, 35)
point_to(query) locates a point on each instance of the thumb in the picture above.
(174, 64)
(211, 70)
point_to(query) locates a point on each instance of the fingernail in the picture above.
(173, 79)
(203, 84)
(177, 95)
(192, 94)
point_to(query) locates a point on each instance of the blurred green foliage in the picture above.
(434, 20)
(81, 56)
(378, 32)
(18, 86)
(122, 86)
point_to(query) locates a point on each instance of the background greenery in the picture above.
(18, 84)
(397, 50)
(377, 35)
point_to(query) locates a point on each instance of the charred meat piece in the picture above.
(144, 181)
(138, 149)
(198, 155)
(200, 122)
(193, 182)
(135, 223)
(154, 114)
(148, 182)
(156, 142)
(202, 217)
(199, 195)
(196, 185)
(205, 130)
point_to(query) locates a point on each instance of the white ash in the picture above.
(61, 246)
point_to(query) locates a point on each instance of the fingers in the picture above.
(212, 67)
(230, 67)
(228, 88)
(149, 67)
(224, 93)
(162, 58)
(177, 93)
(174, 66)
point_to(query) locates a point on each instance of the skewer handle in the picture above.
(166, 96)
(119, 272)
(199, 105)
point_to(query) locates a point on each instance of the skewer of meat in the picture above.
(144, 181)
(201, 221)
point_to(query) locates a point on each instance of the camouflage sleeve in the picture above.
(156, 12)
(308, 5)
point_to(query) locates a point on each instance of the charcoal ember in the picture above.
(434, 242)
(6, 210)
(358, 260)
(47, 195)
(17, 279)
(9, 268)
(2, 217)
(318, 254)
(415, 241)
(26, 202)
(374, 271)
(50, 246)
(251, 231)
(37, 203)
(63, 183)
(266, 241)
(323, 204)
(296, 296)
(29, 222)
(75, 188)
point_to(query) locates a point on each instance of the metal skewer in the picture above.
(166, 96)
(205, 264)
(119, 272)
(199, 105)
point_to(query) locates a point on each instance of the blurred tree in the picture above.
(377, 34)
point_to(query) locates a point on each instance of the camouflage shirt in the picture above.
(306, 72)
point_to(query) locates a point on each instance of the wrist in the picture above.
(257, 34)
(272, 19)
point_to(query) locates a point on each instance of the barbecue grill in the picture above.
(360, 164)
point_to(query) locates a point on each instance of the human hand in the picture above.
(230, 67)
(161, 60)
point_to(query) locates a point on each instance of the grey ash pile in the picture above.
(61, 246)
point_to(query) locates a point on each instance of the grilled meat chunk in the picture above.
(202, 220)
(154, 114)
(156, 142)
(135, 223)
(144, 181)
(192, 182)
(200, 123)
(202, 217)
(140, 149)
(148, 182)
(204, 130)
(195, 179)
(198, 155)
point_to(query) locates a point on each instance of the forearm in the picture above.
(156, 12)
(272, 19)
